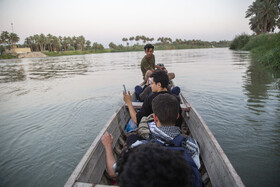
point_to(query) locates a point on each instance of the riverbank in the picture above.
(23, 55)
(126, 49)
(264, 48)
(111, 50)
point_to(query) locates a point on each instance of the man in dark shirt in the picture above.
(159, 84)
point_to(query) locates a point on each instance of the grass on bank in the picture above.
(128, 49)
(7, 56)
(264, 48)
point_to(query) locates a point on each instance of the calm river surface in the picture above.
(51, 109)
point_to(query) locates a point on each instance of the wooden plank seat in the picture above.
(185, 107)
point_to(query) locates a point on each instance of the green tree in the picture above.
(42, 42)
(64, 43)
(88, 44)
(131, 39)
(112, 45)
(55, 43)
(137, 38)
(74, 42)
(36, 39)
(50, 42)
(124, 40)
(60, 42)
(13, 38)
(263, 15)
(96, 46)
(5, 37)
(80, 41)
(28, 42)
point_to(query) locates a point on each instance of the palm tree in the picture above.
(124, 40)
(5, 37)
(28, 42)
(50, 42)
(88, 44)
(69, 42)
(131, 39)
(60, 42)
(74, 42)
(36, 39)
(80, 42)
(112, 45)
(137, 38)
(143, 38)
(97, 46)
(42, 42)
(13, 38)
(55, 43)
(263, 15)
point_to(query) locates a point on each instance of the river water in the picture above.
(51, 109)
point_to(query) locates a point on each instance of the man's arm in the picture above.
(132, 112)
(107, 140)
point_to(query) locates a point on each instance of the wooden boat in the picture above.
(216, 169)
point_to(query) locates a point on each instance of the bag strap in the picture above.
(179, 140)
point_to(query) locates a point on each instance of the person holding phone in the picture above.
(159, 83)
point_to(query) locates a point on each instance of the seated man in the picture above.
(148, 63)
(142, 93)
(159, 83)
(147, 165)
(163, 132)
(153, 165)
(163, 129)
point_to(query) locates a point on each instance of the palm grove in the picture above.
(53, 43)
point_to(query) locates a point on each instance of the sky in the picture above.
(106, 21)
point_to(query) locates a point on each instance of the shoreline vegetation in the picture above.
(264, 48)
(130, 49)
(59, 46)
(264, 44)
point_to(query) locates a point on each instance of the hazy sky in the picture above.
(104, 21)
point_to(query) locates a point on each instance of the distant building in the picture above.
(15, 50)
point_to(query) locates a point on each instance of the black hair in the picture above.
(148, 46)
(160, 76)
(166, 108)
(151, 164)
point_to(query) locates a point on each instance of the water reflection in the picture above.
(257, 82)
(263, 104)
(12, 72)
(240, 58)
(65, 66)
(46, 70)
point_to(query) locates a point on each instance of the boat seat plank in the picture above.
(138, 105)
(82, 184)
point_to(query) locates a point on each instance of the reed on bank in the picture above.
(264, 48)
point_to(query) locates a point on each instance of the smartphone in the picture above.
(124, 89)
(150, 80)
